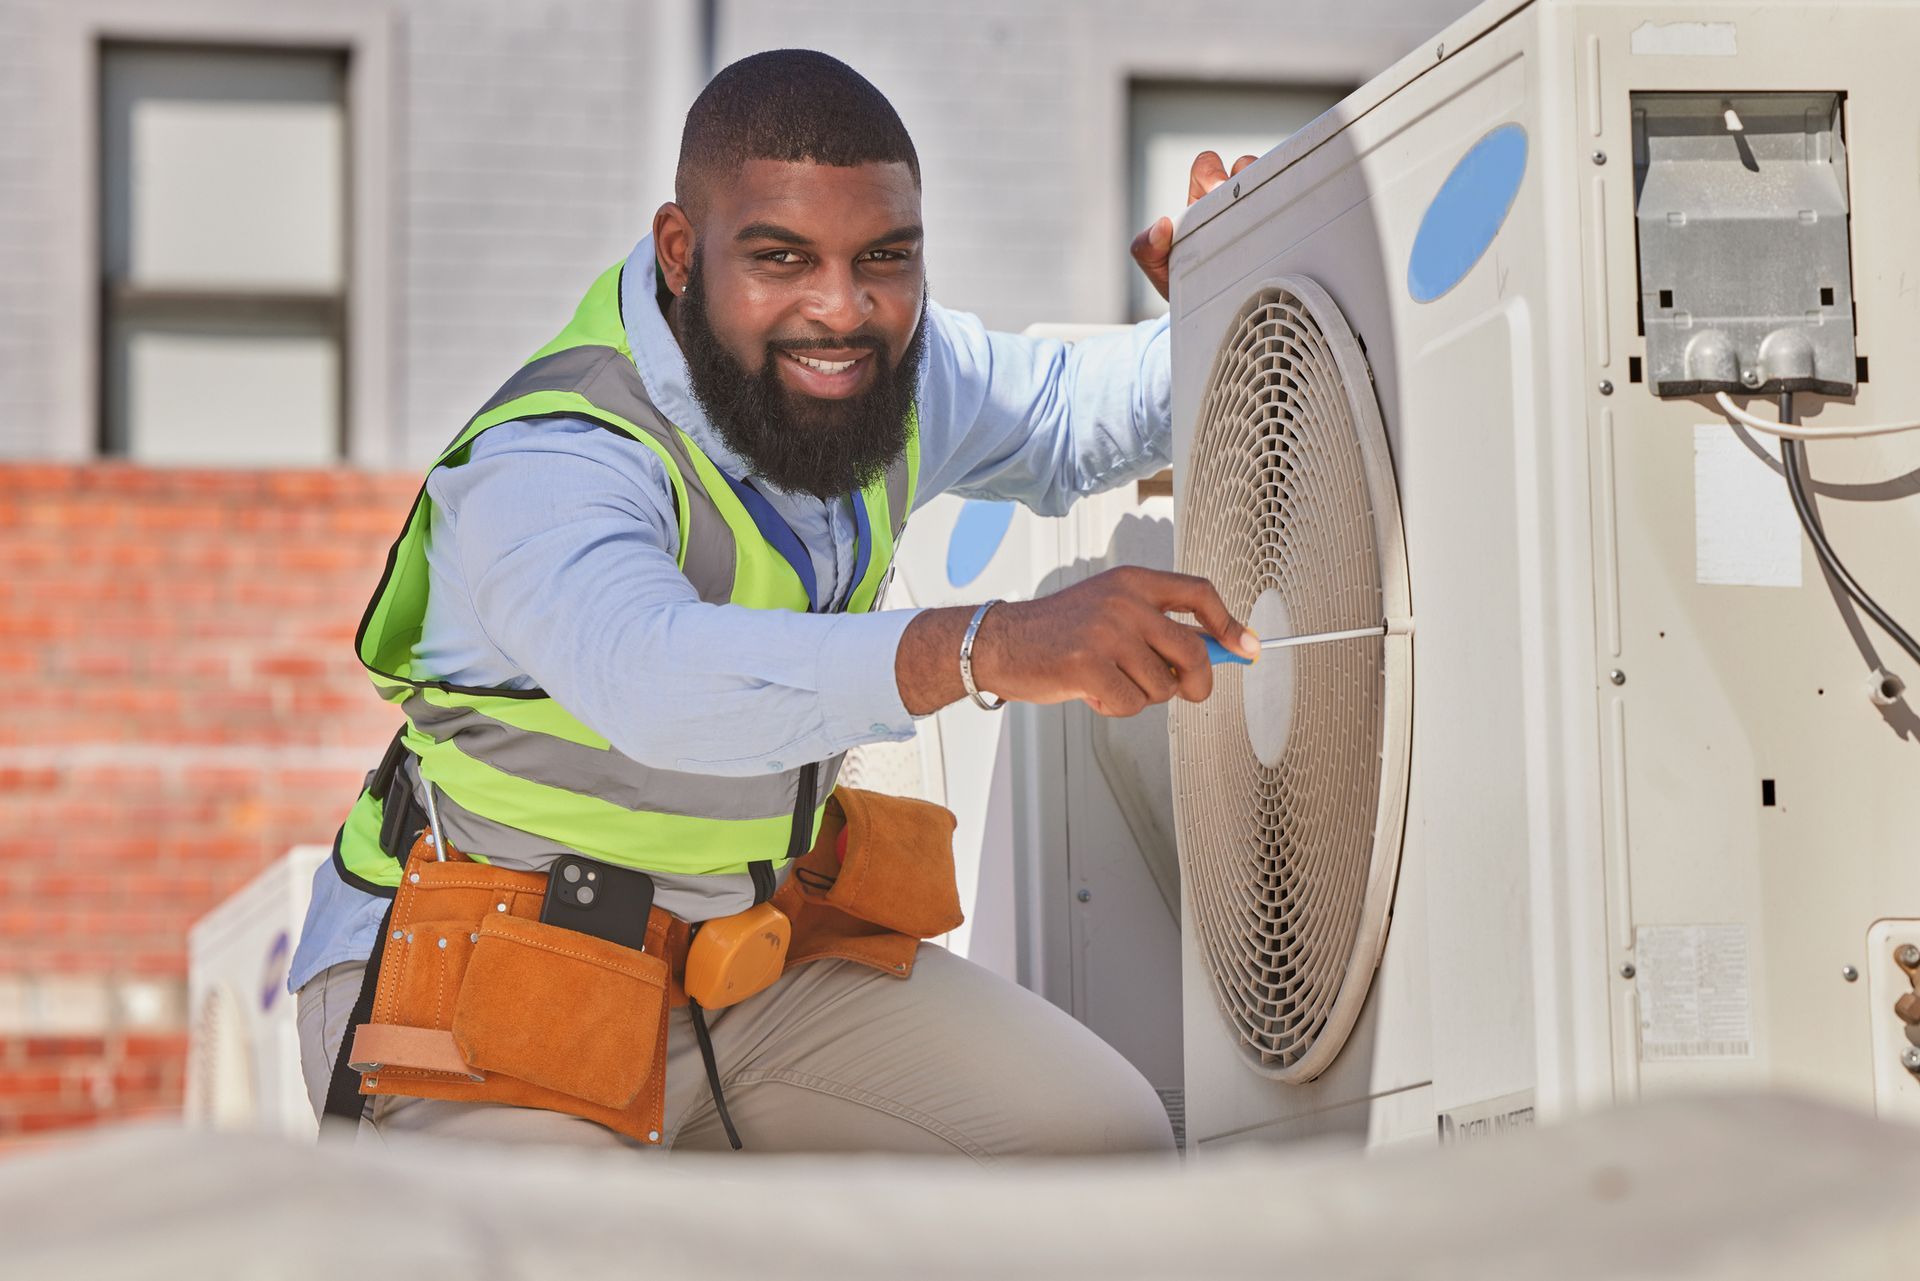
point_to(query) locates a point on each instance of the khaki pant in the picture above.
(834, 1058)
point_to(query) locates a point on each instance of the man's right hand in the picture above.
(1106, 641)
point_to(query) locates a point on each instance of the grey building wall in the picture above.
(520, 147)
(26, 391)
(1018, 111)
(523, 133)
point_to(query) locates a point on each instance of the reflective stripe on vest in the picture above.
(518, 775)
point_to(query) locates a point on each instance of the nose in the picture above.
(838, 302)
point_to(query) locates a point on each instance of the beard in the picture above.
(800, 443)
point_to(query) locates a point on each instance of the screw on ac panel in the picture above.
(1751, 377)
(1599, 157)
(1617, 676)
(1606, 386)
(1439, 52)
(1236, 191)
(1906, 956)
(1085, 896)
(1910, 1059)
(1849, 973)
(1627, 971)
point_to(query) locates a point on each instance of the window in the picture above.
(1170, 124)
(223, 255)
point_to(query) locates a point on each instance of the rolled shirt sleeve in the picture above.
(1040, 421)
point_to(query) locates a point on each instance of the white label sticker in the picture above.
(1744, 531)
(1485, 1119)
(1695, 989)
(1685, 39)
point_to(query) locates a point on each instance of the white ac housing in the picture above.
(243, 1056)
(1656, 834)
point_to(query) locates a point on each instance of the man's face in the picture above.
(801, 318)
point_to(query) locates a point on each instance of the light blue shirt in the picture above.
(552, 560)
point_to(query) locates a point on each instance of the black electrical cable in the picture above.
(705, 1039)
(1793, 459)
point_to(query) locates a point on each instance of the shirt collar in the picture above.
(656, 354)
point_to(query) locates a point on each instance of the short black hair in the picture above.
(793, 105)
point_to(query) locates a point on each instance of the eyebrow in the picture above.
(786, 236)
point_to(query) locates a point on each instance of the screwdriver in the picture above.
(1218, 653)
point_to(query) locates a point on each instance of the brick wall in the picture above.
(182, 706)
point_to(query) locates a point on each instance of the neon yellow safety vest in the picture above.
(514, 773)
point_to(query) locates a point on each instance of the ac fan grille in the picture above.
(1281, 495)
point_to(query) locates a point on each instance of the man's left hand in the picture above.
(1153, 248)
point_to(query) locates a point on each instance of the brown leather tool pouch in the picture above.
(561, 1010)
(479, 1001)
(879, 878)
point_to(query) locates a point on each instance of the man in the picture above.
(662, 632)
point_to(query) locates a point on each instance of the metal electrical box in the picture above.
(1745, 269)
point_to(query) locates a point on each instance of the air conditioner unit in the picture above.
(1065, 844)
(1613, 795)
(243, 1055)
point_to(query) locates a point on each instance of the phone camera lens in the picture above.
(570, 873)
(586, 895)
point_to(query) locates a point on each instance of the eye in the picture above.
(780, 257)
(888, 255)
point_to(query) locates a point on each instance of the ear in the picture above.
(673, 240)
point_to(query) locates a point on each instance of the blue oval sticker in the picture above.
(976, 537)
(1467, 212)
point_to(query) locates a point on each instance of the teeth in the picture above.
(825, 366)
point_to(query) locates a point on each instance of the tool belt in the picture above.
(475, 999)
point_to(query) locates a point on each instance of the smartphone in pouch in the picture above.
(600, 899)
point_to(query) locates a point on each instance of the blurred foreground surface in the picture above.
(1751, 1187)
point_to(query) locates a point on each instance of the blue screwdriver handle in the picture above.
(1218, 653)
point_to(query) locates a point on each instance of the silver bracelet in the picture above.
(966, 659)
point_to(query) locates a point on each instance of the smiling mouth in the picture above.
(828, 377)
(826, 366)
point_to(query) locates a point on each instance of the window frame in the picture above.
(362, 33)
(1137, 84)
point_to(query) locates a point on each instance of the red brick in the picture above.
(34, 627)
(25, 478)
(33, 556)
(304, 666)
(58, 1119)
(98, 848)
(43, 1049)
(381, 524)
(39, 1084)
(157, 963)
(177, 519)
(92, 886)
(99, 666)
(59, 957)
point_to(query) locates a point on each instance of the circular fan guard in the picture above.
(1287, 499)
